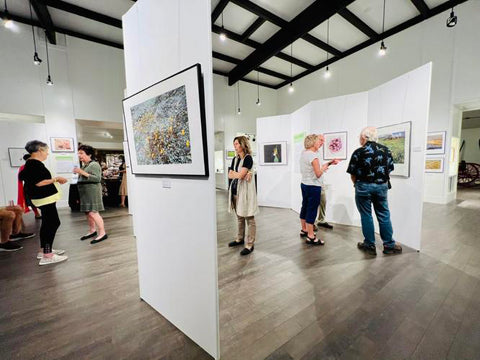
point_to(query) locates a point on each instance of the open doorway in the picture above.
(469, 151)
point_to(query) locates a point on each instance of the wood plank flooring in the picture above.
(284, 301)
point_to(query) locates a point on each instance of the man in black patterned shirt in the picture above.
(370, 168)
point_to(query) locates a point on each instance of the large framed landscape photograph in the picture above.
(166, 128)
(397, 138)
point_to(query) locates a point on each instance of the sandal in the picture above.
(303, 233)
(315, 241)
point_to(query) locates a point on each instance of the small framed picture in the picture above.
(229, 154)
(16, 156)
(434, 164)
(335, 146)
(436, 142)
(274, 153)
(61, 144)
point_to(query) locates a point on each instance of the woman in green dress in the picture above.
(90, 191)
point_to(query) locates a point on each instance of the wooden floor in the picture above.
(284, 301)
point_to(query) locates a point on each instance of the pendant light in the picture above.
(7, 20)
(222, 35)
(291, 89)
(258, 91)
(327, 73)
(36, 58)
(383, 48)
(49, 78)
(452, 19)
(239, 112)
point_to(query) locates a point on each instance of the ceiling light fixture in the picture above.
(239, 112)
(327, 70)
(291, 89)
(49, 78)
(36, 58)
(223, 36)
(258, 91)
(452, 19)
(383, 48)
(7, 20)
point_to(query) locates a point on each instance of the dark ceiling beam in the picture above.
(409, 23)
(357, 22)
(77, 10)
(252, 28)
(421, 7)
(45, 19)
(308, 19)
(218, 10)
(253, 44)
(274, 19)
(218, 72)
(233, 60)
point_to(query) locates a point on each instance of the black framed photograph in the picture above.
(166, 126)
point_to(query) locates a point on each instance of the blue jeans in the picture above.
(310, 201)
(367, 194)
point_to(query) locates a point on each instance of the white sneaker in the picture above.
(54, 251)
(52, 260)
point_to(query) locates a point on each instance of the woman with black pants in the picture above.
(42, 189)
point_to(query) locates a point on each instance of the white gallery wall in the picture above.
(177, 269)
(403, 99)
(454, 53)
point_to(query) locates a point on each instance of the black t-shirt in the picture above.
(247, 163)
(34, 172)
(371, 163)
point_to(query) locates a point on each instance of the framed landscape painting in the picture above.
(274, 153)
(436, 142)
(397, 138)
(166, 127)
(335, 146)
(434, 164)
(61, 144)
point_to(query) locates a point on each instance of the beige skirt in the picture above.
(123, 186)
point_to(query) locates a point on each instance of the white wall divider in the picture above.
(274, 188)
(175, 219)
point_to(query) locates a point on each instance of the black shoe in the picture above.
(395, 249)
(38, 217)
(21, 236)
(94, 241)
(9, 246)
(325, 225)
(88, 236)
(369, 249)
(246, 251)
(236, 243)
(315, 241)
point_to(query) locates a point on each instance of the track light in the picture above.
(7, 20)
(223, 36)
(258, 90)
(291, 89)
(49, 81)
(258, 103)
(36, 59)
(238, 111)
(327, 73)
(238, 98)
(383, 49)
(327, 70)
(452, 19)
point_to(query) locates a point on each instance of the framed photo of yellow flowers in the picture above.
(165, 126)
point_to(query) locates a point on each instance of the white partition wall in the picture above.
(406, 98)
(174, 219)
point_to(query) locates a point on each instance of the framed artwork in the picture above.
(434, 164)
(454, 155)
(166, 127)
(335, 146)
(436, 142)
(397, 138)
(229, 154)
(61, 144)
(16, 156)
(274, 153)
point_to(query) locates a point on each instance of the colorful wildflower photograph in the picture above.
(335, 145)
(161, 131)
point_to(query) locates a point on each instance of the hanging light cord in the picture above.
(291, 64)
(33, 29)
(46, 46)
(383, 22)
(328, 33)
(6, 5)
(222, 19)
(238, 95)
(258, 87)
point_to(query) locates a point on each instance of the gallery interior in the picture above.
(166, 284)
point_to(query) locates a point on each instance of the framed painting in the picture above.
(434, 164)
(16, 156)
(166, 127)
(274, 153)
(397, 138)
(61, 144)
(335, 146)
(436, 142)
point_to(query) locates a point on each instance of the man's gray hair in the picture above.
(370, 133)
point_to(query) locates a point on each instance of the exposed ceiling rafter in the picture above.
(357, 22)
(252, 28)
(218, 10)
(45, 19)
(218, 72)
(421, 7)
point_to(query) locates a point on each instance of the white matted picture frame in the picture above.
(62, 144)
(166, 127)
(335, 145)
(273, 153)
(397, 138)
(16, 156)
(436, 142)
(434, 164)
(229, 154)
